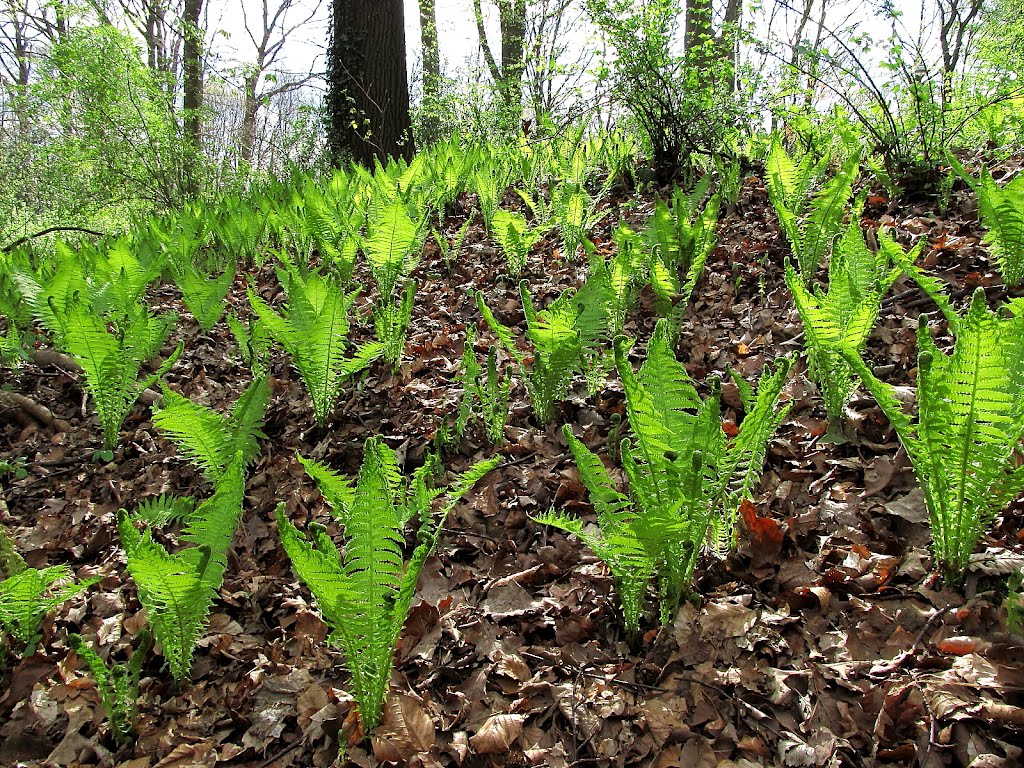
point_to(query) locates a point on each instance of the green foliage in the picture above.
(739, 470)
(205, 295)
(253, 342)
(28, 594)
(846, 315)
(657, 530)
(567, 338)
(364, 590)
(450, 250)
(118, 684)
(391, 322)
(970, 421)
(790, 182)
(680, 238)
(485, 394)
(515, 237)
(685, 478)
(1015, 603)
(1002, 213)
(177, 590)
(684, 103)
(111, 361)
(812, 225)
(210, 439)
(314, 331)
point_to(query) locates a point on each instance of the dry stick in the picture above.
(18, 406)
(918, 642)
(48, 230)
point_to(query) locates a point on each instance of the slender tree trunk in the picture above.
(512, 14)
(192, 83)
(431, 68)
(368, 89)
(250, 108)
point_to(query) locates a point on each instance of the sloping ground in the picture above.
(824, 641)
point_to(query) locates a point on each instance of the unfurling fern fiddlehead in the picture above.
(364, 590)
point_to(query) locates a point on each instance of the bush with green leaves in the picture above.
(314, 331)
(178, 589)
(812, 225)
(567, 338)
(28, 594)
(1002, 214)
(683, 103)
(118, 684)
(364, 590)
(685, 479)
(212, 440)
(846, 314)
(964, 443)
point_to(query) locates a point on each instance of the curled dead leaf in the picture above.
(497, 734)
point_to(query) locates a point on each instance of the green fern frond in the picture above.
(118, 684)
(203, 294)
(364, 590)
(178, 590)
(110, 362)
(210, 439)
(970, 421)
(26, 596)
(314, 332)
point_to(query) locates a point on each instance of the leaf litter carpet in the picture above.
(823, 641)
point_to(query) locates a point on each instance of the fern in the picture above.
(484, 395)
(177, 590)
(392, 247)
(253, 342)
(210, 439)
(111, 362)
(566, 337)
(450, 250)
(391, 323)
(118, 684)
(364, 590)
(970, 421)
(685, 479)
(203, 294)
(812, 229)
(739, 471)
(789, 182)
(679, 240)
(28, 594)
(846, 315)
(1002, 213)
(314, 331)
(515, 237)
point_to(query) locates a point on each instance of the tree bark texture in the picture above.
(192, 83)
(431, 67)
(368, 89)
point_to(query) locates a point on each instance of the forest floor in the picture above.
(823, 641)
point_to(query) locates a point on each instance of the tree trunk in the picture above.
(368, 89)
(250, 108)
(508, 78)
(697, 32)
(192, 82)
(431, 68)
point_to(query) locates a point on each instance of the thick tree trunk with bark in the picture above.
(368, 89)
